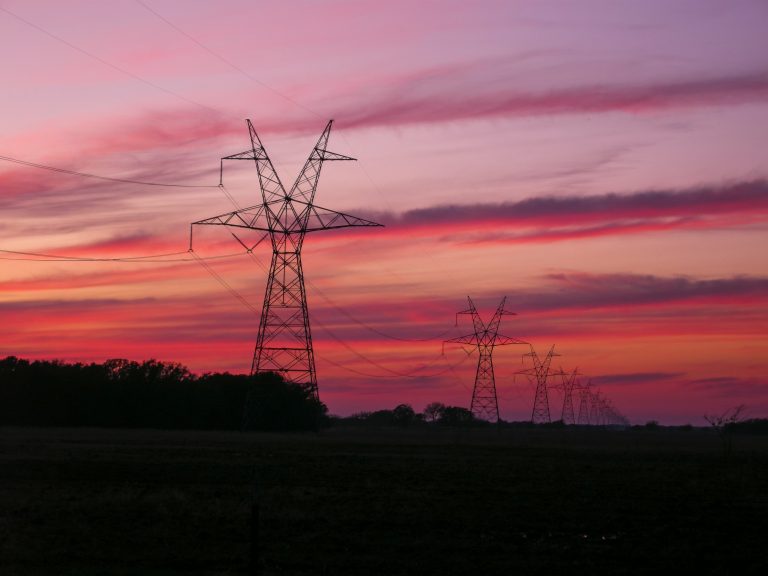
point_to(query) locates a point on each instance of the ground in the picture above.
(391, 501)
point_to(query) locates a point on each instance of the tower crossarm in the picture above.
(477, 322)
(305, 186)
(493, 325)
(318, 218)
(569, 380)
(272, 188)
(253, 218)
(468, 339)
(502, 340)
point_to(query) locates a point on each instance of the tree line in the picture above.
(119, 393)
(435, 413)
(150, 394)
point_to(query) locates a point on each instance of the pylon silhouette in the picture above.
(569, 383)
(594, 409)
(284, 341)
(541, 373)
(583, 418)
(485, 403)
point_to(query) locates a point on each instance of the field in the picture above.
(388, 502)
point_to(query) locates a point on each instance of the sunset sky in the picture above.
(602, 164)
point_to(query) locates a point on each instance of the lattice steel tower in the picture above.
(284, 341)
(485, 404)
(541, 373)
(594, 409)
(583, 418)
(569, 383)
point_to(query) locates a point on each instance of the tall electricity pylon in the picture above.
(569, 383)
(594, 409)
(485, 404)
(583, 418)
(541, 373)
(284, 341)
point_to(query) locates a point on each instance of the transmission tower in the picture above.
(569, 383)
(485, 404)
(583, 418)
(284, 341)
(594, 409)
(541, 373)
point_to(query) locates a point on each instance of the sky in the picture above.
(602, 164)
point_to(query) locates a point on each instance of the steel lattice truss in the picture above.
(284, 341)
(485, 403)
(595, 412)
(569, 383)
(541, 374)
(584, 393)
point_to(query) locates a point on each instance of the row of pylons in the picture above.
(284, 341)
(595, 409)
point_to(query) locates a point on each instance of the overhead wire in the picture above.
(411, 374)
(201, 261)
(106, 62)
(224, 283)
(335, 306)
(252, 78)
(100, 177)
(223, 59)
(415, 373)
(389, 377)
(149, 258)
(368, 327)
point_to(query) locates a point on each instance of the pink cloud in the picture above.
(465, 93)
(552, 219)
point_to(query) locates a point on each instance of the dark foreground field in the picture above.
(473, 501)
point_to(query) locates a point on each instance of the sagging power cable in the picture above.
(99, 177)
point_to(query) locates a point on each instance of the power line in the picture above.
(415, 373)
(109, 178)
(150, 258)
(106, 62)
(224, 283)
(226, 61)
(412, 374)
(338, 308)
(257, 81)
(221, 280)
(383, 377)
(343, 343)
(371, 328)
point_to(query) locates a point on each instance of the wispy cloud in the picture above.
(634, 378)
(576, 290)
(487, 90)
(732, 387)
(549, 219)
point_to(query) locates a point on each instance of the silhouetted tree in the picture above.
(434, 411)
(723, 424)
(279, 405)
(154, 394)
(456, 416)
(403, 415)
(380, 418)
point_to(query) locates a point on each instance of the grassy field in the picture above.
(389, 502)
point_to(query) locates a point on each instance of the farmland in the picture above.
(421, 500)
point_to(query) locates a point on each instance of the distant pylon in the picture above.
(594, 409)
(583, 418)
(284, 341)
(541, 373)
(485, 404)
(569, 382)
